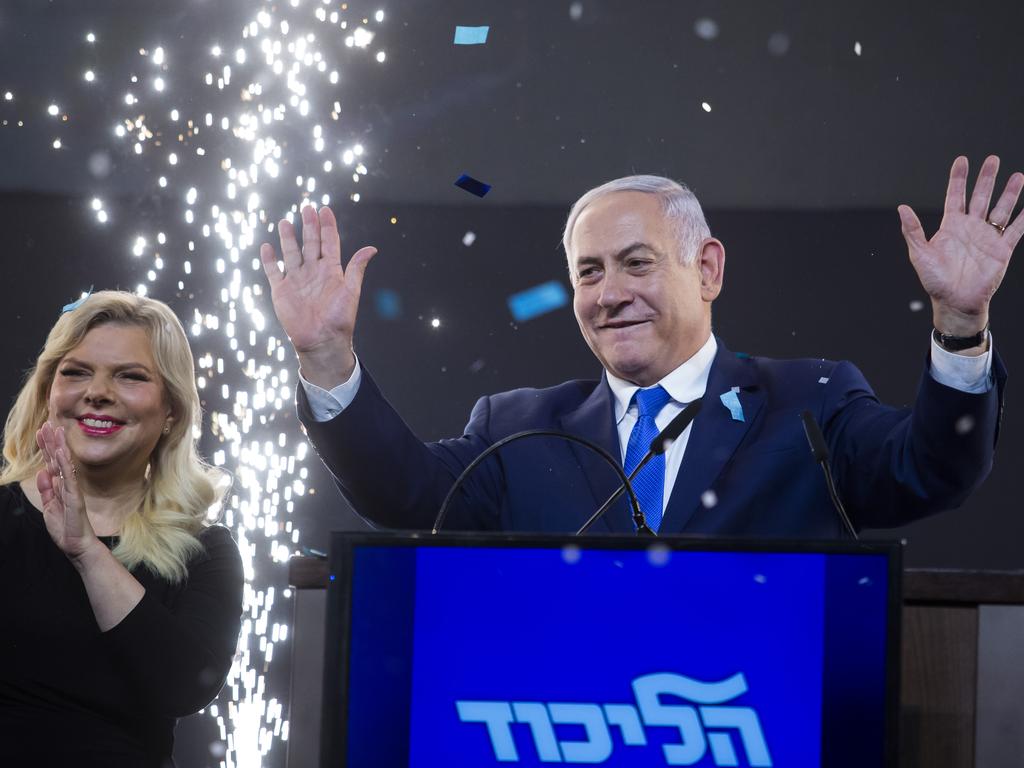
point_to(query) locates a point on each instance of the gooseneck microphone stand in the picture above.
(642, 528)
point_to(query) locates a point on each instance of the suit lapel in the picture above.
(714, 436)
(594, 420)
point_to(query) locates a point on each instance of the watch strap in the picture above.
(959, 343)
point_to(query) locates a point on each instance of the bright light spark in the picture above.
(90, 37)
(705, 106)
(89, 76)
(53, 110)
(361, 37)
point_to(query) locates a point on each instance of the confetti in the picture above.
(778, 44)
(916, 305)
(823, 380)
(471, 35)
(964, 424)
(709, 499)
(732, 401)
(706, 29)
(658, 555)
(538, 300)
(76, 304)
(468, 239)
(388, 304)
(471, 185)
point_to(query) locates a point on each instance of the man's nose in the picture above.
(614, 290)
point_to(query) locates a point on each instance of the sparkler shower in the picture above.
(271, 104)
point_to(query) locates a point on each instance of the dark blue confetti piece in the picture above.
(388, 303)
(468, 183)
(538, 300)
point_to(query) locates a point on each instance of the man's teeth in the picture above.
(97, 424)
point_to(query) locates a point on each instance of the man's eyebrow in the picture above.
(639, 245)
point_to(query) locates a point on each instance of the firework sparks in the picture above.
(267, 101)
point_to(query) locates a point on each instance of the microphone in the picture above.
(659, 445)
(820, 451)
(637, 514)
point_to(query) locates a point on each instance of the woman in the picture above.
(119, 602)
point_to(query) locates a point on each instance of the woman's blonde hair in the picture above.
(180, 488)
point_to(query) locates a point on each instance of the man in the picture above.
(645, 271)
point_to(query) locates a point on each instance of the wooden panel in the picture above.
(308, 572)
(968, 587)
(937, 690)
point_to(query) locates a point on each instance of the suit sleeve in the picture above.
(180, 655)
(896, 465)
(391, 478)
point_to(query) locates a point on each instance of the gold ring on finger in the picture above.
(1000, 227)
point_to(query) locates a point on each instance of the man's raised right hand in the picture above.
(315, 300)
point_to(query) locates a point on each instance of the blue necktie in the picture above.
(649, 483)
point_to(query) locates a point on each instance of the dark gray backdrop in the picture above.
(807, 150)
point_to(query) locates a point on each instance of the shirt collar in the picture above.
(685, 384)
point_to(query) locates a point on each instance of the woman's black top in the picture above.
(72, 695)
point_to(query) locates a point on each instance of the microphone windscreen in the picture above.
(814, 437)
(675, 428)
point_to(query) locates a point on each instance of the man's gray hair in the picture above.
(679, 204)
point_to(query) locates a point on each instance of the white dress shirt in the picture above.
(685, 384)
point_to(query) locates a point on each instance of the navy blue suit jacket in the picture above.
(892, 465)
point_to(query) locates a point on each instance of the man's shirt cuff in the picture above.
(963, 372)
(326, 404)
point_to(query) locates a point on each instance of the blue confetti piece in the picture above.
(732, 401)
(471, 35)
(388, 304)
(468, 183)
(76, 304)
(538, 300)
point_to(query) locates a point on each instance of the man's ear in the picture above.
(711, 263)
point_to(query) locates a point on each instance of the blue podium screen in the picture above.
(481, 656)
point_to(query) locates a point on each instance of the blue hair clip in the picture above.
(76, 304)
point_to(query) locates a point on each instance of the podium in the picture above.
(961, 675)
(960, 678)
